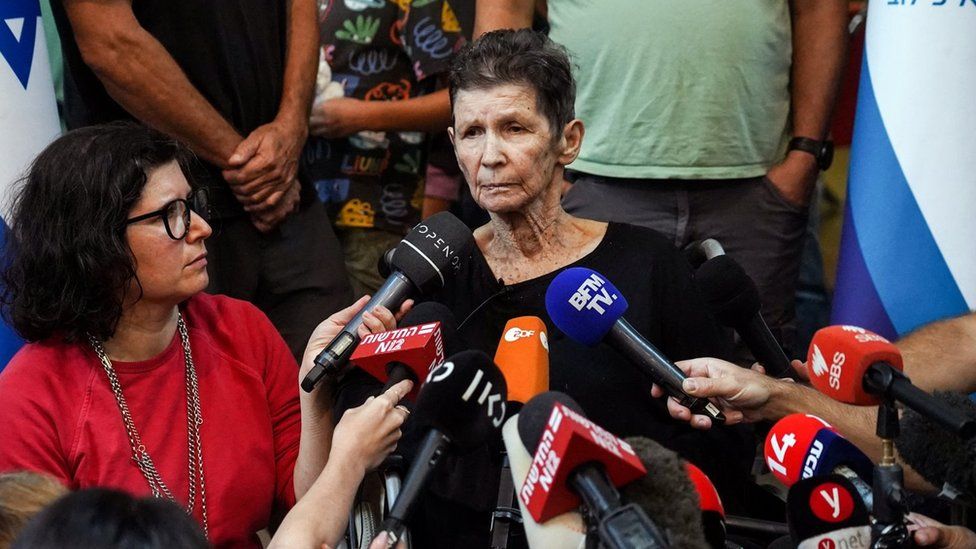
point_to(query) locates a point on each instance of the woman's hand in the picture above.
(378, 320)
(367, 434)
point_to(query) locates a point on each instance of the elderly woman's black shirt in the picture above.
(665, 306)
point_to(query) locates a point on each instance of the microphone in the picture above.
(565, 531)
(864, 367)
(732, 297)
(669, 495)
(461, 406)
(423, 261)
(826, 512)
(700, 251)
(523, 357)
(410, 351)
(577, 461)
(802, 446)
(712, 510)
(940, 457)
(589, 309)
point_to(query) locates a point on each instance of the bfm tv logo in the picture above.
(592, 295)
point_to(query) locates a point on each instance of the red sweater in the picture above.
(58, 415)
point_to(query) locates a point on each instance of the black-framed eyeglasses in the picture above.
(176, 213)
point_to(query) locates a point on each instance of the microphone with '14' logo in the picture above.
(589, 309)
(577, 461)
(523, 356)
(852, 365)
(411, 351)
(461, 406)
(825, 512)
(801, 446)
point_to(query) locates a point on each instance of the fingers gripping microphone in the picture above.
(940, 457)
(577, 462)
(826, 512)
(461, 405)
(801, 446)
(734, 300)
(589, 309)
(853, 365)
(669, 496)
(427, 332)
(422, 262)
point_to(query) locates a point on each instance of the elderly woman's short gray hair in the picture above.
(522, 57)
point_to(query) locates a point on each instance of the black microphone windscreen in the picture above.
(464, 398)
(432, 251)
(432, 311)
(535, 414)
(666, 494)
(730, 293)
(826, 506)
(938, 455)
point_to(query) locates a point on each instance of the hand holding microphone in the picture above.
(367, 434)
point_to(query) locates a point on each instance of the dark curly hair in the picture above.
(68, 261)
(523, 57)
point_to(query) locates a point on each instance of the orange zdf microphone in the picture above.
(410, 351)
(853, 365)
(523, 357)
(577, 461)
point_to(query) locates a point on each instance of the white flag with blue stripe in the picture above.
(908, 255)
(28, 112)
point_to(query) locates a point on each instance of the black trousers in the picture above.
(295, 273)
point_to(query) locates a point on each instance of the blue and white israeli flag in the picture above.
(28, 112)
(908, 247)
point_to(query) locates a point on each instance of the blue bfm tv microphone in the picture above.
(589, 309)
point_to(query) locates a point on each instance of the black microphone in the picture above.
(941, 457)
(734, 300)
(422, 263)
(461, 406)
(826, 511)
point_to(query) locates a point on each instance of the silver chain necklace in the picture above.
(193, 418)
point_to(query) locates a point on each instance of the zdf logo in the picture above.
(514, 334)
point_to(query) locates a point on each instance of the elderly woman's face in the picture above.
(504, 146)
(168, 270)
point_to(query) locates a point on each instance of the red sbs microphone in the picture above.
(852, 365)
(839, 358)
(801, 446)
(419, 348)
(568, 441)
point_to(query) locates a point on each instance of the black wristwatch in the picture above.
(823, 151)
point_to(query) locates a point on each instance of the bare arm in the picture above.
(502, 14)
(144, 78)
(301, 63)
(819, 51)
(344, 116)
(942, 355)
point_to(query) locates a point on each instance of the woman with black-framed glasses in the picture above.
(135, 379)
